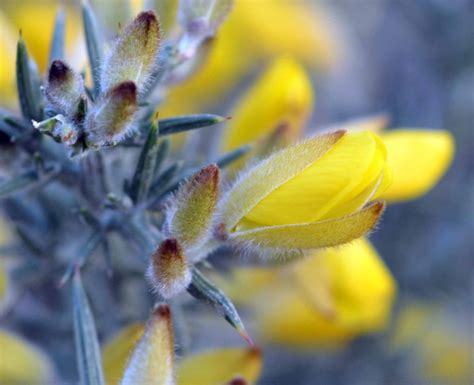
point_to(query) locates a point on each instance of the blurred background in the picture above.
(410, 59)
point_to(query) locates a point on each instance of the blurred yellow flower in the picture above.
(220, 366)
(418, 159)
(300, 30)
(324, 300)
(21, 363)
(310, 195)
(216, 367)
(116, 352)
(283, 95)
(443, 351)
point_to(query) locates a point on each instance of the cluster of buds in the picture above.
(106, 115)
(188, 231)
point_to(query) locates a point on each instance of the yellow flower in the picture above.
(310, 195)
(418, 159)
(324, 300)
(441, 346)
(282, 95)
(220, 366)
(215, 367)
(21, 363)
(116, 352)
(245, 42)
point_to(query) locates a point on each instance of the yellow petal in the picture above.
(418, 159)
(245, 282)
(261, 180)
(289, 319)
(329, 298)
(333, 180)
(361, 287)
(152, 359)
(21, 363)
(117, 351)
(313, 235)
(218, 367)
(283, 94)
(295, 28)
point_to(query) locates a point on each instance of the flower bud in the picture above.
(152, 360)
(64, 89)
(168, 272)
(191, 213)
(112, 118)
(134, 54)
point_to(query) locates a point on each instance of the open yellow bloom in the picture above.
(216, 367)
(21, 363)
(324, 300)
(282, 96)
(418, 159)
(244, 42)
(310, 195)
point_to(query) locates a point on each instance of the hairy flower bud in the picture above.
(168, 272)
(134, 54)
(112, 118)
(191, 213)
(152, 359)
(64, 89)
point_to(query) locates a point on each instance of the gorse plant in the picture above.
(95, 188)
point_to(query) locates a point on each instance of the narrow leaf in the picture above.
(17, 184)
(161, 185)
(232, 156)
(84, 252)
(87, 345)
(188, 122)
(161, 155)
(221, 163)
(58, 42)
(27, 181)
(30, 101)
(202, 289)
(145, 169)
(93, 43)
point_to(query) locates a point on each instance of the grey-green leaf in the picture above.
(87, 345)
(93, 43)
(28, 91)
(145, 169)
(58, 42)
(188, 122)
(204, 290)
